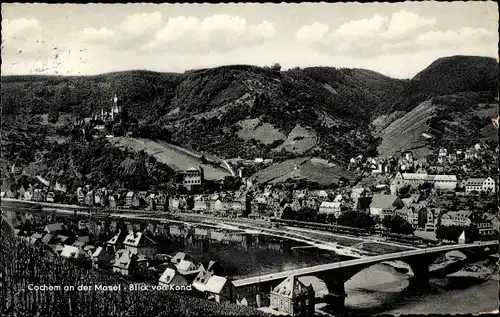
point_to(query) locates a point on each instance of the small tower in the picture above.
(115, 108)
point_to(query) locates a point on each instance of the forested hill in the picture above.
(230, 111)
(448, 76)
(248, 111)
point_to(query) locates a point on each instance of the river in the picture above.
(379, 289)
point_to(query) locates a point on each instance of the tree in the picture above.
(53, 116)
(404, 190)
(400, 225)
(472, 233)
(276, 67)
(287, 213)
(348, 218)
(386, 222)
(118, 130)
(321, 218)
(330, 218)
(365, 221)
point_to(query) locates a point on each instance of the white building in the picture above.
(443, 152)
(480, 185)
(138, 243)
(456, 218)
(440, 182)
(327, 207)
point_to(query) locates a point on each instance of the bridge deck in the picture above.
(365, 260)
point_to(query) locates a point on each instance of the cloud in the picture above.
(217, 33)
(147, 31)
(403, 22)
(20, 28)
(100, 35)
(313, 33)
(362, 28)
(402, 32)
(142, 23)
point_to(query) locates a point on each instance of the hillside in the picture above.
(448, 76)
(247, 111)
(308, 169)
(22, 263)
(170, 155)
(204, 109)
(453, 100)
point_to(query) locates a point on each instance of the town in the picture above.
(447, 197)
(311, 159)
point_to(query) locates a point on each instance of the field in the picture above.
(300, 140)
(170, 155)
(310, 169)
(406, 132)
(263, 132)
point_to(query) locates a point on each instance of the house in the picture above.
(201, 279)
(358, 192)
(201, 232)
(129, 198)
(28, 195)
(215, 287)
(327, 207)
(443, 152)
(432, 219)
(191, 177)
(172, 277)
(116, 242)
(362, 203)
(485, 224)
(456, 218)
(472, 154)
(72, 252)
(79, 244)
(480, 185)
(36, 238)
(127, 263)
(186, 267)
(176, 203)
(176, 259)
(322, 194)
(49, 239)
(410, 214)
(65, 239)
(139, 243)
(383, 205)
(101, 258)
(54, 228)
(178, 231)
(293, 298)
(200, 204)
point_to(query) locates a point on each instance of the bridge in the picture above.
(336, 274)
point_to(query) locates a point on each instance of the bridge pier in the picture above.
(336, 296)
(336, 291)
(420, 279)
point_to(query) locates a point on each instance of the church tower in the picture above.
(115, 108)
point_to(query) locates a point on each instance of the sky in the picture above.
(395, 39)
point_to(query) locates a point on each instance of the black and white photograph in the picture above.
(249, 159)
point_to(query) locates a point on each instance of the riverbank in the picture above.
(380, 289)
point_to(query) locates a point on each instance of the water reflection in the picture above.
(241, 254)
